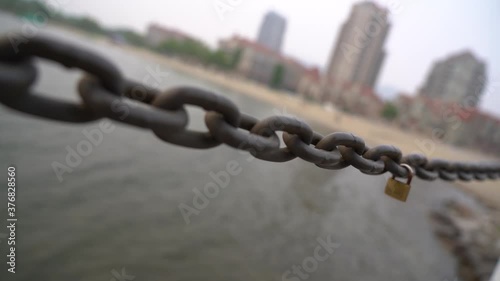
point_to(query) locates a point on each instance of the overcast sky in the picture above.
(422, 31)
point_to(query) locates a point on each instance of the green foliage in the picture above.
(235, 58)
(198, 51)
(23, 7)
(86, 24)
(185, 48)
(130, 36)
(390, 111)
(169, 47)
(134, 38)
(220, 59)
(34, 10)
(277, 78)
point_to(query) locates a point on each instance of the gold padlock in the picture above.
(399, 190)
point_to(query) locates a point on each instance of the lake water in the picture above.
(119, 210)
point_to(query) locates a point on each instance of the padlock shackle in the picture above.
(410, 172)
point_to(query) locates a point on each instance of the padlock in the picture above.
(399, 190)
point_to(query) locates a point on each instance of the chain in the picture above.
(106, 94)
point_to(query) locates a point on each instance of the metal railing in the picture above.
(104, 93)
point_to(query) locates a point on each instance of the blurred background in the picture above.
(423, 76)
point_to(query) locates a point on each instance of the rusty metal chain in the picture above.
(105, 93)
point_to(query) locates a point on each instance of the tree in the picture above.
(390, 111)
(220, 59)
(277, 78)
(88, 24)
(235, 59)
(186, 48)
(23, 8)
(131, 37)
(169, 47)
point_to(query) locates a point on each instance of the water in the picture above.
(120, 208)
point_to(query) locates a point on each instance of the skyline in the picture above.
(448, 28)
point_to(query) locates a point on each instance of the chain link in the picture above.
(105, 93)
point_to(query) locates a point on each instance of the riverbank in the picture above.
(374, 132)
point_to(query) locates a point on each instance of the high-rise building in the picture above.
(359, 51)
(272, 31)
(459, 78)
